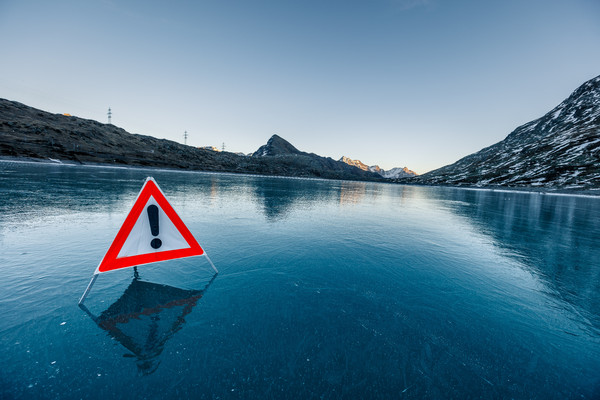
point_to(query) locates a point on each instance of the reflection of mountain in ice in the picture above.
(548, 234)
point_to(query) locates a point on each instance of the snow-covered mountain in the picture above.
(560, 150)
(396, 173)
(375, 168)
(393, 173)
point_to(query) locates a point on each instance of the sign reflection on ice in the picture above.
(145, 317)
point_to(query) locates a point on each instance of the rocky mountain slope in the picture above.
(281, 151)
(276, 146)
(393, 173)
(359, 164)
(559, 150)
(36, 134)
(29, 132)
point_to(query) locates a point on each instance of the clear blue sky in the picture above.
(416, 83)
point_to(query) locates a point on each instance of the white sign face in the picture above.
(142, 240)
(152, 232)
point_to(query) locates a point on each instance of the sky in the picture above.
(415, 83)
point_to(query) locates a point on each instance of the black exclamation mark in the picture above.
(153, 217)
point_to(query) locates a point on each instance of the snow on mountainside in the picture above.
(559, 150)
(375, 168)
(356, 163)
(393, 173)
(396, 173)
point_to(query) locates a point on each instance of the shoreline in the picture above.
(588, 193)
(69, 163)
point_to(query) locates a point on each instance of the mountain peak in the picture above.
(398, 172)
(356, 163)
(276, 146)
(393, 173)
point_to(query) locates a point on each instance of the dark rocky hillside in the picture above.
(281, 152)
(559, 150)
(277, 146)
(36, 134)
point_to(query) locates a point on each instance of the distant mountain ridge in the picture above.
(285, 153)
(559, 150)
(358, 164)
(397, 173)
(28, 132)
(393, 173)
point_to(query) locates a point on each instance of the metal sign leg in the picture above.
(89, 287)
(211, 264)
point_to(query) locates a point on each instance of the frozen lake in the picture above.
(327, 289)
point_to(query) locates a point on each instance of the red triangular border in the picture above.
(110, 262)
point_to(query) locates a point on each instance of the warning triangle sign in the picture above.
(152, 232)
